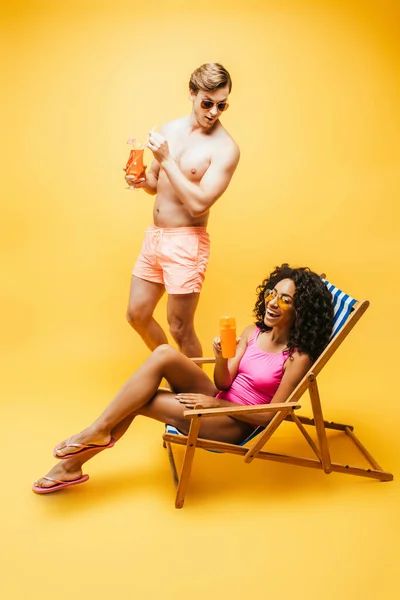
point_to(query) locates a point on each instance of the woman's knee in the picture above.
(164, 354)
(164, 359)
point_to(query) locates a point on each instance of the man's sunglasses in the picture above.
(208, 104)
(284, 302)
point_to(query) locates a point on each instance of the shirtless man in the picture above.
(194, 160)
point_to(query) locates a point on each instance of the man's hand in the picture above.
(136, 184)
(200, 400)
(159, 146)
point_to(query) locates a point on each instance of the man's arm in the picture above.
(197, 198)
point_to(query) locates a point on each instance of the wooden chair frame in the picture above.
(283, 412)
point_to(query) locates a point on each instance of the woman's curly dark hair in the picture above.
(313, 306)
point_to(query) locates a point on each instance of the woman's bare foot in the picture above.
(88, 439)
(60, 472)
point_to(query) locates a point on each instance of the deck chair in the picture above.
(347, 312)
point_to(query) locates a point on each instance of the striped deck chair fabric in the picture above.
(342, 306)
(173, 429)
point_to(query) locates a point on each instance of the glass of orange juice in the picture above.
(135, 167)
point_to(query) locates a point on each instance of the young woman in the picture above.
(293, 323)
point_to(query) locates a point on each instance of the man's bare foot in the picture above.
(60, 472)
(88, 439)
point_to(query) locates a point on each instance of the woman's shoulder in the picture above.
(299, 361)
(248, 332)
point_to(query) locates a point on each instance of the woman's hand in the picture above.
(197, 400)
(217, 347)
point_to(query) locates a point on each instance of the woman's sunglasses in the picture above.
(284, 302)
(208, 104)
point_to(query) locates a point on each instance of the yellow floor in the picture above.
(263, 529)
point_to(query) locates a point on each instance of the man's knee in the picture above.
(137, 317)
(180, 330)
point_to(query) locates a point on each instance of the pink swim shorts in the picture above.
(177, 257)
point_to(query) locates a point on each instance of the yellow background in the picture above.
(315, 111)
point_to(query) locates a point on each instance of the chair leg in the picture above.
(171, 459)
(265, 435)
(187, 462)
(363, 450)
(319, 423)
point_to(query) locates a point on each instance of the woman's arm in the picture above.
(226, 369)
(294, 371)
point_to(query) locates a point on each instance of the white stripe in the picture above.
(341, 306)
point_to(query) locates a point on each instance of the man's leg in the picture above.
(180, 313)
(143, 298)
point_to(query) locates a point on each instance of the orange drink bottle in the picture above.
(227, 333)
(135, 166)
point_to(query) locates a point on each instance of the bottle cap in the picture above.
(227, 323)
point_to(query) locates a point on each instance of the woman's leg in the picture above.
(166, 408)
(70, 469)
(162, 407)
(139, 396)
(165, 362)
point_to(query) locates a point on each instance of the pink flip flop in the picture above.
(84, 448)
(60, 485)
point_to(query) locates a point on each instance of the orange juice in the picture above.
(134, 166)
(227, 333)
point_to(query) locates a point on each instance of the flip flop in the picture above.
(84, 448)
(60, 485)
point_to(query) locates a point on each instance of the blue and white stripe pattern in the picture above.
(172, 429)
(342, 306)
(175, 431)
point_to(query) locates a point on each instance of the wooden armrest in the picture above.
(258, 408)
(203, 360)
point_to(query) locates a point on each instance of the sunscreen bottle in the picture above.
(227, 333)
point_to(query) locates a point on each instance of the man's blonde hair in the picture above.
(210, 77)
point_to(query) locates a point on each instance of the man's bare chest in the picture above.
(193, 157)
